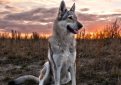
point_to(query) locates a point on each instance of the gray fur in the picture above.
(63, 47)
(73, 8)
(60, 67)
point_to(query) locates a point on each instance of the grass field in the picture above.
(98, 61)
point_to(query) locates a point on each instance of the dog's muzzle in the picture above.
(79, 25)
(75, 29)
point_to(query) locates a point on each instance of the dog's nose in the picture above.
(80, 25)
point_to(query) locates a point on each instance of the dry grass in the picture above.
(98, 61)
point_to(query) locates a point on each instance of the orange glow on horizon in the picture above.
(23, 35)
(83, 34)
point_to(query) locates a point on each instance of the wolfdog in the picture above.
(60, 67)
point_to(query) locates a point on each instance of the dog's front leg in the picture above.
(73, 74)
(57, 75)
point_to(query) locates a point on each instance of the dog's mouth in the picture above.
(75, 31)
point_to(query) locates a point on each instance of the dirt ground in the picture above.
(98, 61)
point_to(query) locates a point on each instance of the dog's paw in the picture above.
(12, 83)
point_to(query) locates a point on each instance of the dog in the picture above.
(60, 67)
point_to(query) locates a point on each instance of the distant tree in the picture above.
(81, 34)
(35, 36)
(18, 36)
(13, 34)
(112, 30)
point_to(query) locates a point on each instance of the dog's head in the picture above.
(67, 19)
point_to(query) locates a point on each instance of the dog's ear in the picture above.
(62, 9)
(73, 8)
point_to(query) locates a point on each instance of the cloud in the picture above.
(39, 14)
(12, 8)
(95, 22)
(38, 20)
(110, 16)
(87, 17)
(4, 1)
(4, 12)
(96, 17)
(8, 26)
(84, 9)
(49, 15)
(117, 10)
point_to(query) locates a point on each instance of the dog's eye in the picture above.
(70, 17)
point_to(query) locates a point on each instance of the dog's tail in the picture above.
(23, 79)
(44, 75)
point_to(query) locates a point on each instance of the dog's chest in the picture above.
(68, 51)
(64, 48)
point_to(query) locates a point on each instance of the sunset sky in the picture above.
(38, 15)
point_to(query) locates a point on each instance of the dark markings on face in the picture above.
(68, 15)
